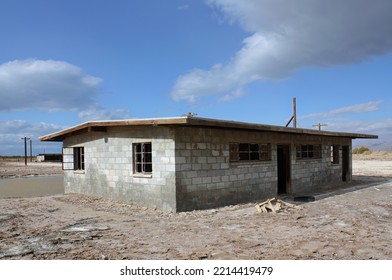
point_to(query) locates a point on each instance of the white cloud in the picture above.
(23, 128)
(12, 131)
(380, 125)
(98, 113)
(233, 95)
(382, 128)
(289, 35)
(353, 109)
(45, 84)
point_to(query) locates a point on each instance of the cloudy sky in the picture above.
(63, 62)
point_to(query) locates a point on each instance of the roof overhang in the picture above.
(101, 126)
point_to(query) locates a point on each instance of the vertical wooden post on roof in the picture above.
(295, 112)
(294, 116)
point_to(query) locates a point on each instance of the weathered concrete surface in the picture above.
(206, 178)
(109, 167)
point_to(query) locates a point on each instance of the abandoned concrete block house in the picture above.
(187, 163)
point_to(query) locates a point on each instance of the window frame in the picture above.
(73, 158)
(335, 154)
(79, 161)
(142, 158)
(308, 151)
(249, 152)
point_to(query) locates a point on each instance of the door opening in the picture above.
(345, 163)
(283, 169)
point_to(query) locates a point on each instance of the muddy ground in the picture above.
(351, 224)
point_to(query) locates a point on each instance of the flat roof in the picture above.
(189, 121)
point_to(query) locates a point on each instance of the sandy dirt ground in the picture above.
(12, 169)
(354, 223)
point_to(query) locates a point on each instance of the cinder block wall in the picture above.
(312, 175)
(192, 168)
(109, 166)
(206, 178)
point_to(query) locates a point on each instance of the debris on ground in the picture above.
(274, 205)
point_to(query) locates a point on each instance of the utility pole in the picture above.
(319, 125)
(25, 148)
(31, 150)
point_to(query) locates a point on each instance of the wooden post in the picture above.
(295, 112)
(25, 148)
(31, 150)
(294, 116)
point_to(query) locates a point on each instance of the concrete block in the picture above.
(185, 153)
(184, 167)
(216, 179)
(233, 177)
(207, 180)
(224, 166)
(215, 166)
(196, 180)
(196, 166)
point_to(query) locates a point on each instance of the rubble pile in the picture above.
(274, 205)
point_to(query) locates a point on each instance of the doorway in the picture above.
(284, 167)
(345, 163)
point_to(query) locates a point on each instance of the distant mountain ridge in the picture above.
(374, 145)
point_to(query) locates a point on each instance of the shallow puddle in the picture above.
(31, 186)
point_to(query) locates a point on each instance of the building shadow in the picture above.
(357, 183)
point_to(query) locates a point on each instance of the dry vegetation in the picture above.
(373, 155)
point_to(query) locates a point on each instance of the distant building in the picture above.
(187, 163)
(49, 157)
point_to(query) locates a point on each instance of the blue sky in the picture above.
(67, 62)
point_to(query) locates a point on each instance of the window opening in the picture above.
(142, 158)
(335, 154)
(308, 152)
(78, 158)
(250, 152)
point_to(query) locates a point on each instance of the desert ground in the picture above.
(15, 169)
(351, 222)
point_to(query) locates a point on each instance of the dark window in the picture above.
(78, 153)
(234, 154)
(265, 152)
(308, 151)
(244, 151)
(142, 158)
(335, 154)
(250, 152)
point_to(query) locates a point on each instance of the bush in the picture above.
(361, 150)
